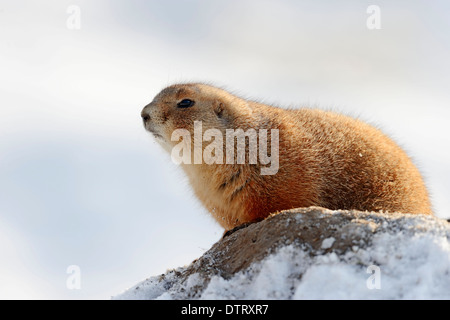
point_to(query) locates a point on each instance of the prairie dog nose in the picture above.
(145, 114)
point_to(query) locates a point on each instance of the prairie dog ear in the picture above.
(219, 108)
(231, 109)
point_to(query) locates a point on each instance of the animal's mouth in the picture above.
(152, 131)
(155, 134)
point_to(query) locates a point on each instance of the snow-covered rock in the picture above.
(314, 253)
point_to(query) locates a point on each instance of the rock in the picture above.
(316, 253)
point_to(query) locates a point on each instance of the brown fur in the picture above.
(325, 159)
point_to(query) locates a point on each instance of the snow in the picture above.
(410, 261)
(327, 243)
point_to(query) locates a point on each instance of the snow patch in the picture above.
(413, 258)
(328, 243)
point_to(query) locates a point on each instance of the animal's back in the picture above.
(359, 166)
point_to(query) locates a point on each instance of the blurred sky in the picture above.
(82, 183)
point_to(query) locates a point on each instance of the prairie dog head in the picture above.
(179, 105)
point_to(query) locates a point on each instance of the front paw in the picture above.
(241, 226)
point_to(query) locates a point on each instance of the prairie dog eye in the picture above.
(185, 103)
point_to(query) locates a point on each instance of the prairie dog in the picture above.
(324, 158)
